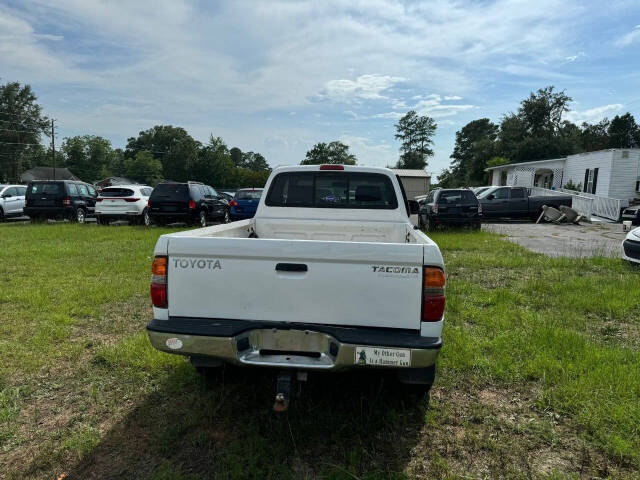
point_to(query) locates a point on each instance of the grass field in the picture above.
(539, 376)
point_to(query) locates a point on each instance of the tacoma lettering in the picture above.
(386, 269)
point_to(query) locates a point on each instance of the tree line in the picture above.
(536, 131)
(161, 152)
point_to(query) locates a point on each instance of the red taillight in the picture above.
(331, 167)
(149, 203)
(66, 201)
(131, 200)
(159, 282)
(159, 295)
(99, 199)
(433, 297)
(192, 204)
(233, 203)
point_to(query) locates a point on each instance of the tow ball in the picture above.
(283, 389)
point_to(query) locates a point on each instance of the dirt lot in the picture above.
(584, 240)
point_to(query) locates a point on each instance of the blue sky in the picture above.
(278, 76)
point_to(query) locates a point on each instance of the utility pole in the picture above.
(53, 149)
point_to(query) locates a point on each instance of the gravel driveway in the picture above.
(584, 240)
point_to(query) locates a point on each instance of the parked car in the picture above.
(190, 202)
(228, 196)
(515, 202)
(70, 199)
(479, 190)
(632, 213)
(631, 246)
(12, 201)
(245, 203)
(124, 202)
(314, 281)
(450, 207)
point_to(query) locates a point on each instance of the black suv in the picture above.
(69, 199)
(190, 202)
(450, 207)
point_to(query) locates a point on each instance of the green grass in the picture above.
(538, 376)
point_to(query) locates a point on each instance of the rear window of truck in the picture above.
(332, 190)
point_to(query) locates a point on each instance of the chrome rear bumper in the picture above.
(289, 346)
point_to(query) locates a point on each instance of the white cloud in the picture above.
(593, 114)
(573, 58)
(369, 153)
(392, 115)
(629, 38)
(369, 87)
(431, 105)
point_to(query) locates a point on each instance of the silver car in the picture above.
(11, 201)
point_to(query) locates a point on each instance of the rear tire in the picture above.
(102, 221)
(80, 215)
(145, 218)
(417, 381)
(202, 219)
(1, 215)
(476, 226)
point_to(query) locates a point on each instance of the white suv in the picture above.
(124, 202)
(11, 201)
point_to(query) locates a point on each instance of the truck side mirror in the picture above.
(413, 207)
(491, 196)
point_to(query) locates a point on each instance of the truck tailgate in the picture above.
(324, 282)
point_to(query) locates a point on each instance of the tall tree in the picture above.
(541, 117)
(236, 156)
(474, 147)
(173, 146)
(594, 136)
(21, 126)
(144, 168)
(624, 132)
(214, 165)
(332, 153)
(415, 133)
(255, 161)
(89, 157)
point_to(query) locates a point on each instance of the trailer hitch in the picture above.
(283, 391)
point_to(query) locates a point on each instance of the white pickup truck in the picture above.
(328, 275)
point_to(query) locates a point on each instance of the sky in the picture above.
(277, 76)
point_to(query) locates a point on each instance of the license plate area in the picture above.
(382, 357)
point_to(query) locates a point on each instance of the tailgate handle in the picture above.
(291, 267)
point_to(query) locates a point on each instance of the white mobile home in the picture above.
(613, 173)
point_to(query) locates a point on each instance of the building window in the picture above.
(590, 180)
